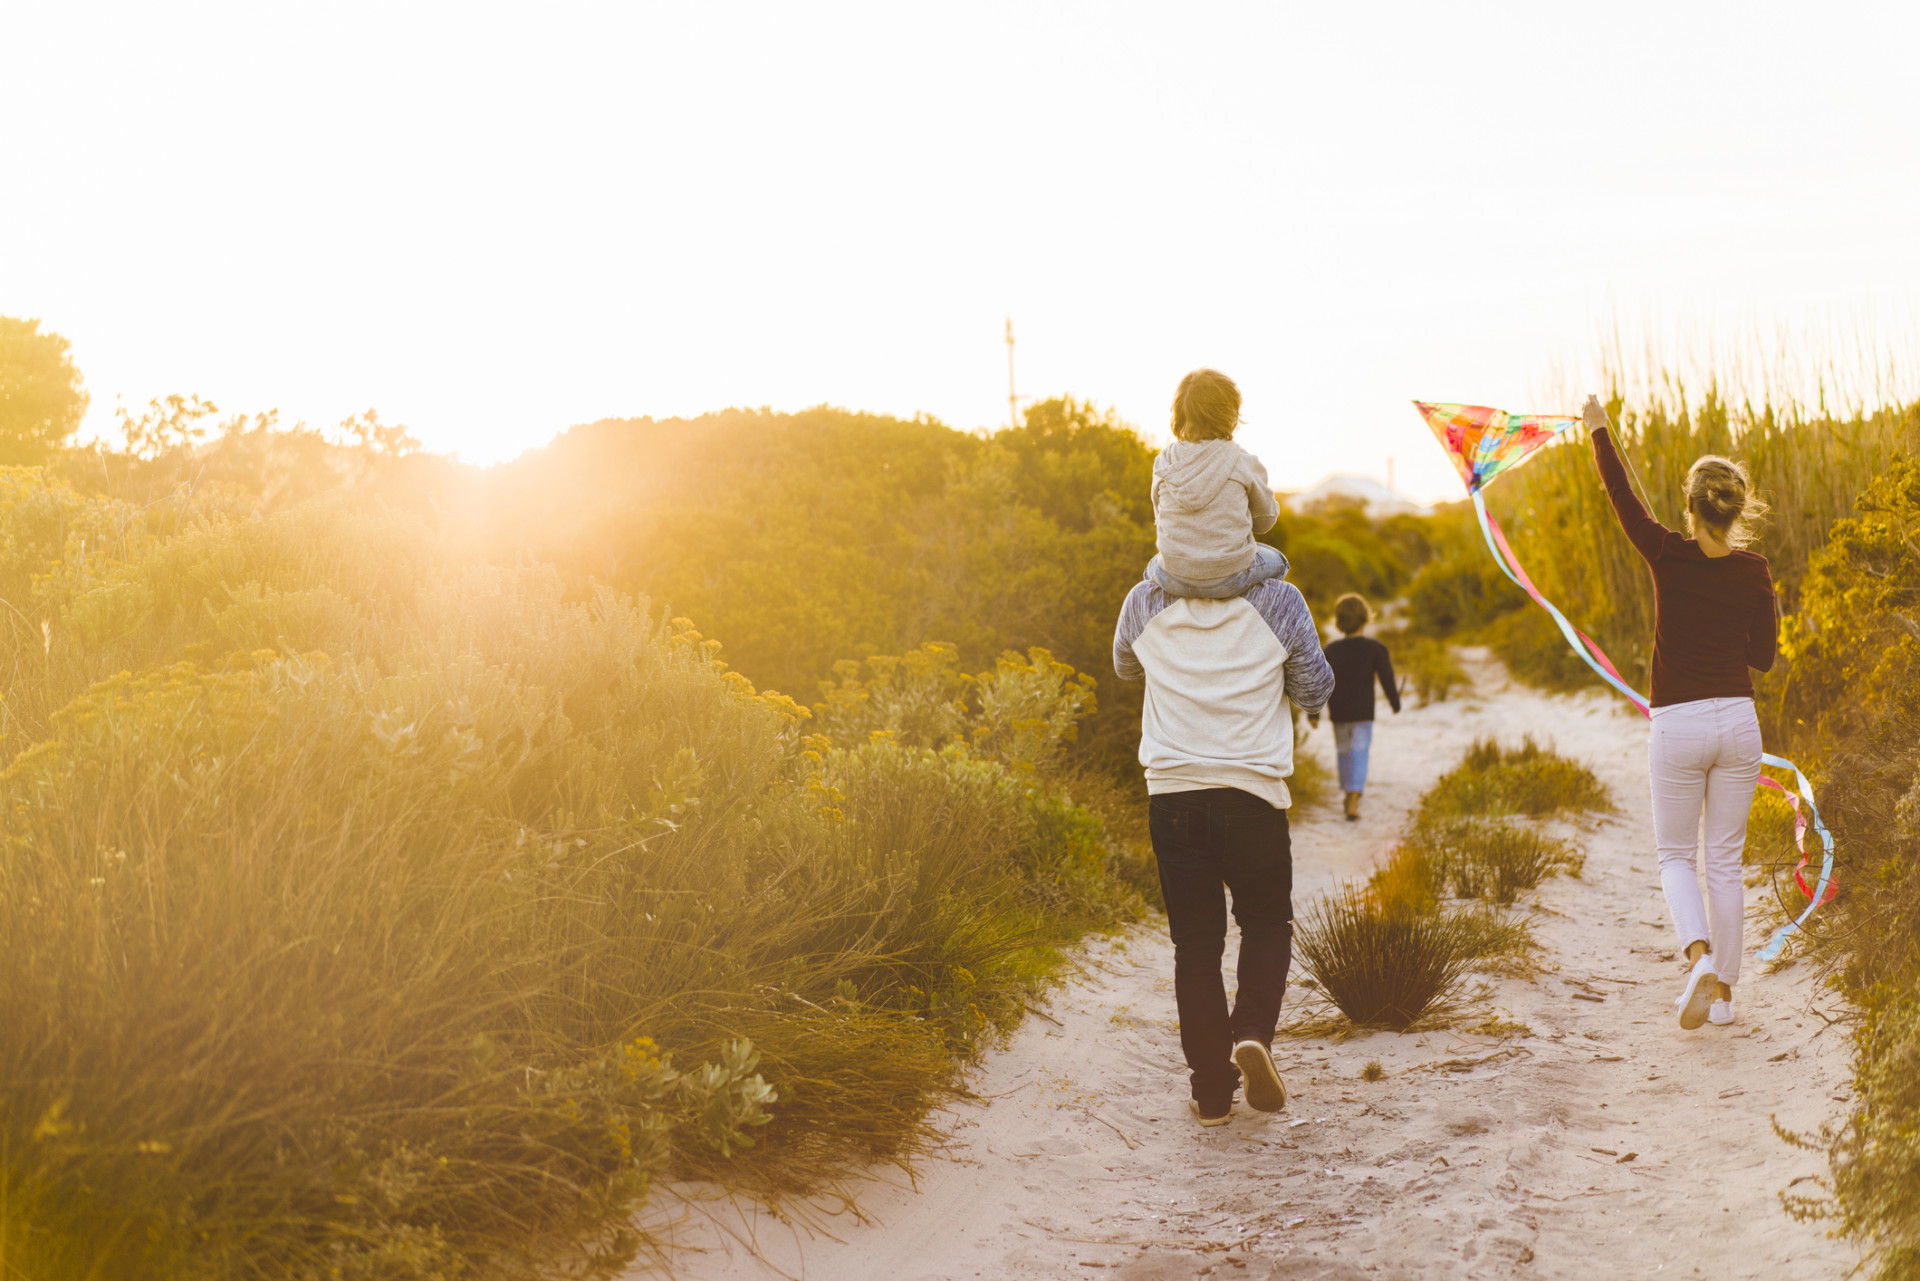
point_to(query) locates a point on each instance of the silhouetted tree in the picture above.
(41, 397)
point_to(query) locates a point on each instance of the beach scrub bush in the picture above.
(1852, 695)
(1428, 668)
(1311, 783)
(366, 912)
(1532, 781)
(1494, 860)
(1395, 951)
(1385, 966)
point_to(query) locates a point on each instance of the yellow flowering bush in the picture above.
(367, 911)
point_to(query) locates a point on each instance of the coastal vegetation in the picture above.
(408, 866)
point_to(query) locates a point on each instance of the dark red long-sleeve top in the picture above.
(1713, 617)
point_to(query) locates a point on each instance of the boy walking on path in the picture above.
(1216, 739)
(1356, 661)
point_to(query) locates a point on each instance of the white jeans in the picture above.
(1704, 760)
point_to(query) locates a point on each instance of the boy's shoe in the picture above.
(1702, 983)
(1193, 1106)
(1353, 807)
(1265, 1091)
(1720, 1013)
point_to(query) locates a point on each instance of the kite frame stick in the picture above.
(1595, 658)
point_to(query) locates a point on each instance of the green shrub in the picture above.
(1492, 860)
(1462, 592)
(1529, 780)
(1537, 653)
(423, 951)
(1426, 668)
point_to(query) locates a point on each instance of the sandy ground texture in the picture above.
(1595, 1140)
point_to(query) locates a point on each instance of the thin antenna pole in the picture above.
(1013, 401)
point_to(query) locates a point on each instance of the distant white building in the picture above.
(1381, 500)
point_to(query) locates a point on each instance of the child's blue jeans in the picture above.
(1351, 740)
(1268, 562)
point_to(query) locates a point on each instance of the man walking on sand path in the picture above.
(1216, 739)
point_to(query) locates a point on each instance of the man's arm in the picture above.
(1309, 676)
(1135, 614)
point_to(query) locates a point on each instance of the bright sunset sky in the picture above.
(492, 222)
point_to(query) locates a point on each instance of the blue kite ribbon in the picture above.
(1779, 939)
(1594, 657)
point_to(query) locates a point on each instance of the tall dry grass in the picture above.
(370, 913)
(1810, 466)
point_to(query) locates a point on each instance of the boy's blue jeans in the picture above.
(1268, 562)
(1351, 741)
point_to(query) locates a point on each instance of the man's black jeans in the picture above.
(1206, 843)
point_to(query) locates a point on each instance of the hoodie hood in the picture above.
(1189, 474)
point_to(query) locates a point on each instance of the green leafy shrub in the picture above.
(424, 951)
(1852, 698)
(1426, 668)
(1530, 780)
(1492, 860)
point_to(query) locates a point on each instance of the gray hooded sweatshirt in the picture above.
(1210, 497)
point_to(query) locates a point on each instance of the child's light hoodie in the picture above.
(1210, 497)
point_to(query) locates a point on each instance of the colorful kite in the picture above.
(1483, 443)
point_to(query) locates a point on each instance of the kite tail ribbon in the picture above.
(1583, 644)
(1805, 812)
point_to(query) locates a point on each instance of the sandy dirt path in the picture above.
(1475, 1157)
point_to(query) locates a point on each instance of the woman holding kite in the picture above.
(1715, 616)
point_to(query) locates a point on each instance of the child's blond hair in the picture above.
(1206, 406)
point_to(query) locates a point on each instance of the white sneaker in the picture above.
(1698, 994)
(1265, 1092)
(1720, 1013)
(1193, 1106)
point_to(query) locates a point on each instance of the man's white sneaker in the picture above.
(1698, 994)
(1193, 1106)
(1720, 1013)
(1265, 1093)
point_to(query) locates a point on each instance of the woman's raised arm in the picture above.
(1646, 534)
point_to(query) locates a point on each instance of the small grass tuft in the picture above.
(1386, 967)
(1410, 880)
(1373, 1071)
(1490, 860)
(1490, 934)
(1531, 780)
